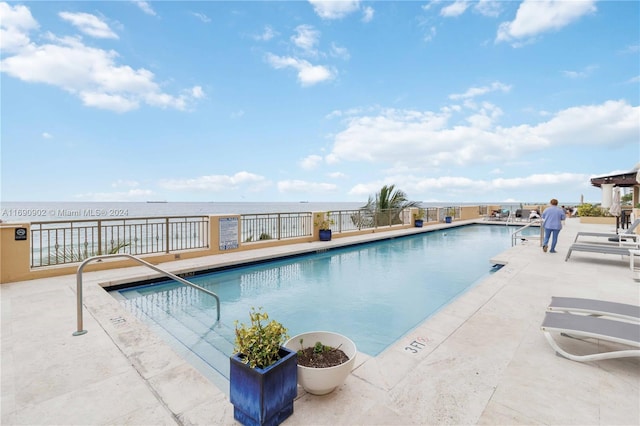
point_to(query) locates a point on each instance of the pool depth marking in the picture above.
(416, 345)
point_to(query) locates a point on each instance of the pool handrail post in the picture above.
(80, 331)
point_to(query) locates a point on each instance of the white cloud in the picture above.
(201, 16)
(91, 74)
(490, 8)
(145, 7)
(15, 25)
(46, 135)
(430, 34)
(89, 24)
(301, 186)
(416, 139)
(306, 38)
(478, 91)
(337, 175)
(454, 9)
(586, 72)
(609, 124)
(538, 16)
(311, 162)
(308, 74)
(267, 34)
(340, 52)
(367, 14)
(196, 92)
(117, 103)
(365, 189)
(331, 9)
(219, 183)
(453, 186)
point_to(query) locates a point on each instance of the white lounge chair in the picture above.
(600, 248)
(612, 236)
(594, 307)
(586, 326)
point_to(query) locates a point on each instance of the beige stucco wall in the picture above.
(14, 255)
(598, 220)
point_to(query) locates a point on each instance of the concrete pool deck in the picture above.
(485, 360)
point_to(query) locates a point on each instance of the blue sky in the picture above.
(319, 101)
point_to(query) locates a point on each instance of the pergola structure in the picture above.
(629, 179)
(621, 180)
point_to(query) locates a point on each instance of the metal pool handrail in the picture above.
(80, 331)
(516, 234)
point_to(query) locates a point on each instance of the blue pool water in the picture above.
(373, 293)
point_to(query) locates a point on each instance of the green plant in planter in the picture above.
(591, 210)
(323, 221)
(262, 373)
(320, 355)
(259, 342)
(318, 348)
(419, 214)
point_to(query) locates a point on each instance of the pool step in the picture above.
(196, 331)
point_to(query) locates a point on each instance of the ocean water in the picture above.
(33, 211)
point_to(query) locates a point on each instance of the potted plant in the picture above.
(317, 379)
(323, 223)
(263, 373)
(418, 218)
(451, 212)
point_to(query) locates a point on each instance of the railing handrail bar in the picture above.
(522, 228)
(113, 219)
(268, 213)
(80, 331)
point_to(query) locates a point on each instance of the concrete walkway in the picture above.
(485, 360)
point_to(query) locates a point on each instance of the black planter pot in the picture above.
(263, 396)
(419, 223)
(325, 235)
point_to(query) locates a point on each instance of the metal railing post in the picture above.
(99, 237)
(166, 235)
(279, 224)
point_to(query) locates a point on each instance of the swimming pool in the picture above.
(373, 293)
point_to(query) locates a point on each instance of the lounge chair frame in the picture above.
(586, 326)
(594, 307)
(600, 248)
(612, 236)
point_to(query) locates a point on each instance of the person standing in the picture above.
(552, 218)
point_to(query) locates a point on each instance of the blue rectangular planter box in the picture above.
(325, 234)
(263, 396)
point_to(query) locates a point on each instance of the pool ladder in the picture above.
(80, 331)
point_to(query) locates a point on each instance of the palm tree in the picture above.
(387, 205)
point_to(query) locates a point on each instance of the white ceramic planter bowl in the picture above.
(321, 381)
